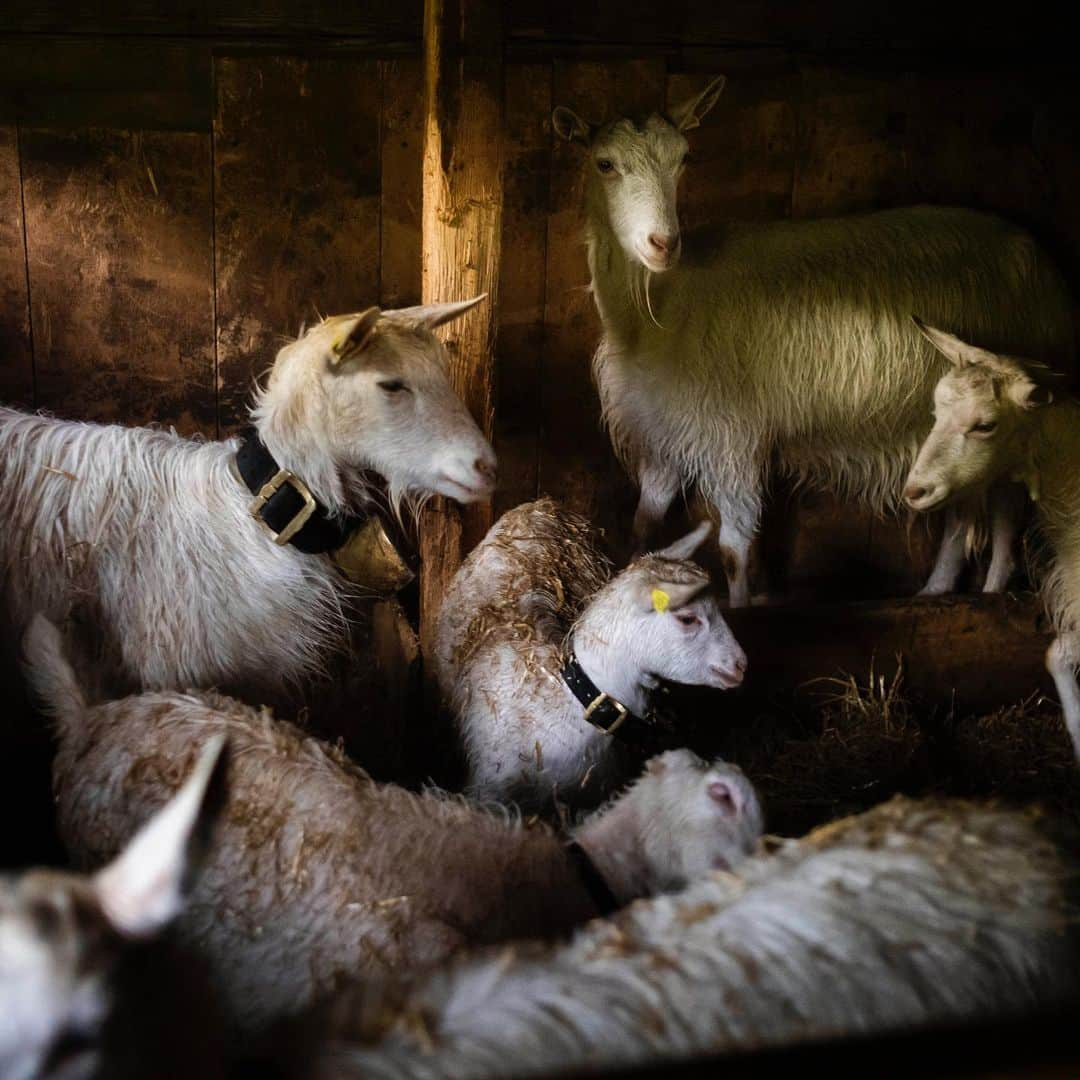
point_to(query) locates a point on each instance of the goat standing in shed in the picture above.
(188, 580)
(915, 913)
(85, 991)
(789, 339)
(548, 665)
(319, 874)
(997, 418)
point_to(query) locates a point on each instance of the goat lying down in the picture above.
(85, 992)
(1000, 418)
(320, 874)
(535, 592)
(917, 912)
(155, 536)
(789, 341)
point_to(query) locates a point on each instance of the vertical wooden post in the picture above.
(462, 220)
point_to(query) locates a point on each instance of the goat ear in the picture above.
(955, 350)
(661, 596)
(687, 545)
(355, 335)
(144, 887)
(688, 114)
(569, 126)
(1030, 395)
(433, 315)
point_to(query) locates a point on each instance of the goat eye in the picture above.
(392, 386)
(984, 427)
(605, 165)
(688, 620)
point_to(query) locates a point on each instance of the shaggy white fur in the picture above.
(320, 874)
(64, 940)
(997, 418)
(535, 587)
(149, 535)
(788, 341)
(914, 913)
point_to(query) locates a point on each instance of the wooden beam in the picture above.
(461, 229)
(16, 357)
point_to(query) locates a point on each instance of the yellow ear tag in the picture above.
(660, 600)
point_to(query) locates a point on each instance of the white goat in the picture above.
(996, 418)
(156, 535)
(532, 594)
(787, 340)
(320, 874)
(81, 995)
(914, 913)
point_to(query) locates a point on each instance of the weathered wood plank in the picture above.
(381, 21)
(960, 28)
(522, 281)
(742, 159)
(16, 358)
(134, 84)
(402, 149)
(297, 181)
(576, 460)
(853, 131)
(462, 227)
(119, 245)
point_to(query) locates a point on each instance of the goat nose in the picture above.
(662, 243)
(486, 468)
(914, 492)
(740, 665)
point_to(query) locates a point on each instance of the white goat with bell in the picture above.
(787, 340)
(548, 665)
(81, 995)
(997, 418)
(189, 580)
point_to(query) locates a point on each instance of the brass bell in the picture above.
(370, 559)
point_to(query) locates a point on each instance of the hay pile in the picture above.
(860, 742)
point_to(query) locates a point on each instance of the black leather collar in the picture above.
(284, 504)
(601, 710)
(595, 885)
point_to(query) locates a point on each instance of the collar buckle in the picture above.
(618, 706)
(267, 492)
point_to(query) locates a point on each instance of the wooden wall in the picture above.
(151, 270)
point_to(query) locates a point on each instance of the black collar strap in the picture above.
(595, 885)
(284, 504)
(601, 710)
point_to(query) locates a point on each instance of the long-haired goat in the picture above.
(917, 912)
(85, 990)
(998, 418)
(788, 340)
(534, 593)
(155, 536)
(320, 874)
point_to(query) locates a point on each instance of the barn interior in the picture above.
(185, 186)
